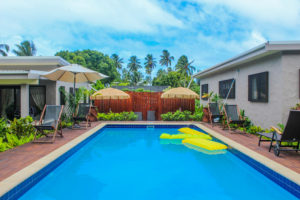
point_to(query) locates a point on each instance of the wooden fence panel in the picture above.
(144, 102)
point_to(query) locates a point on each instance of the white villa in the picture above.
(23, 91)
(266, 81)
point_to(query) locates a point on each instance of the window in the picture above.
(258, 87)
(224, 88)
(62, 95)
(204, 90)
(37, 100)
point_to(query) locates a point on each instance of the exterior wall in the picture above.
(50, 91)
(24, 100)
(290, 96)
(261, 114)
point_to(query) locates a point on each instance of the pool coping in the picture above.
(14, 180)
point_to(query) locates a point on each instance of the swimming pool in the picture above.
(132, 163)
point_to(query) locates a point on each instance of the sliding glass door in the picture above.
(10, 102)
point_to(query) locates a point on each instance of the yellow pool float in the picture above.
(205, 151)
(205, 144)
(193, 132)
(183, 136)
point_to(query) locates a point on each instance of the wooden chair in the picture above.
(82, 113)
(49, 121)
(232, 114)
(214, 112)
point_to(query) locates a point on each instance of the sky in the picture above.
(207, 31)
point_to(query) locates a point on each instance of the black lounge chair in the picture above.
(214, 112)
(233, 116)
(82, 114)
(49, 121)
(290, 134)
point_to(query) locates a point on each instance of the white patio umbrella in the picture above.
(74, 73)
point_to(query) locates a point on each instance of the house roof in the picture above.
(32, 60)
(260, 51)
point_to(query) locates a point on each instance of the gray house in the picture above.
(24, 91)
(265, 81)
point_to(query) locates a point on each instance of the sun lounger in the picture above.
(49, 122)
(82, 114)
(233, 116)
(214, 112)
(290, 135)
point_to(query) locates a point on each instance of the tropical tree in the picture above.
(160, 72)
(166, 60)
(94, 60)
(125, 75)
(150, 64)
(185, 67)
(4, 49)
(26, 48)
(134, 64)
(136, 77)
(172, 79)
(117, 61)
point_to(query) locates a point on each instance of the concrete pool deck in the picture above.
(18, 161)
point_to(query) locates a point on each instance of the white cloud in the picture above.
(277, 12)
(130, 16)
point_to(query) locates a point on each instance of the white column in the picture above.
(24, 100)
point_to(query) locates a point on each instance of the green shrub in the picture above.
(123, 116)
(125, 89)
(182, 116)
(65, 124)
(20, 131)
(140, 90)
(4, 128)
(197, 116)
(22, 127)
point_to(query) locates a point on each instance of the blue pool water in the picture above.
(131, 163)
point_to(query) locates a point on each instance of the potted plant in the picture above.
(205, 109)
(296, 107)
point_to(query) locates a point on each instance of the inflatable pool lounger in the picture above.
(184, 136)
(205, 144)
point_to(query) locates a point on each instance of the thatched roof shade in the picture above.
(109, 93)
(180, 93)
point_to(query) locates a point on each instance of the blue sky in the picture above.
(207, 31)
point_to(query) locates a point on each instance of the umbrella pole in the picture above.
(74, 106)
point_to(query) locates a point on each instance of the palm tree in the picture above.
(134, 64)
(26, 48)
(184, 67)
(4, 49)
(136, 77)
(117, 61)
(125, 75)
(166, 59)
(150, 64)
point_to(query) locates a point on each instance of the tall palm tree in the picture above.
(4, 49)
(150, 64)
(134, 64)
(185, 67)
(117, 61)
(166, 59)
(26, 48)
